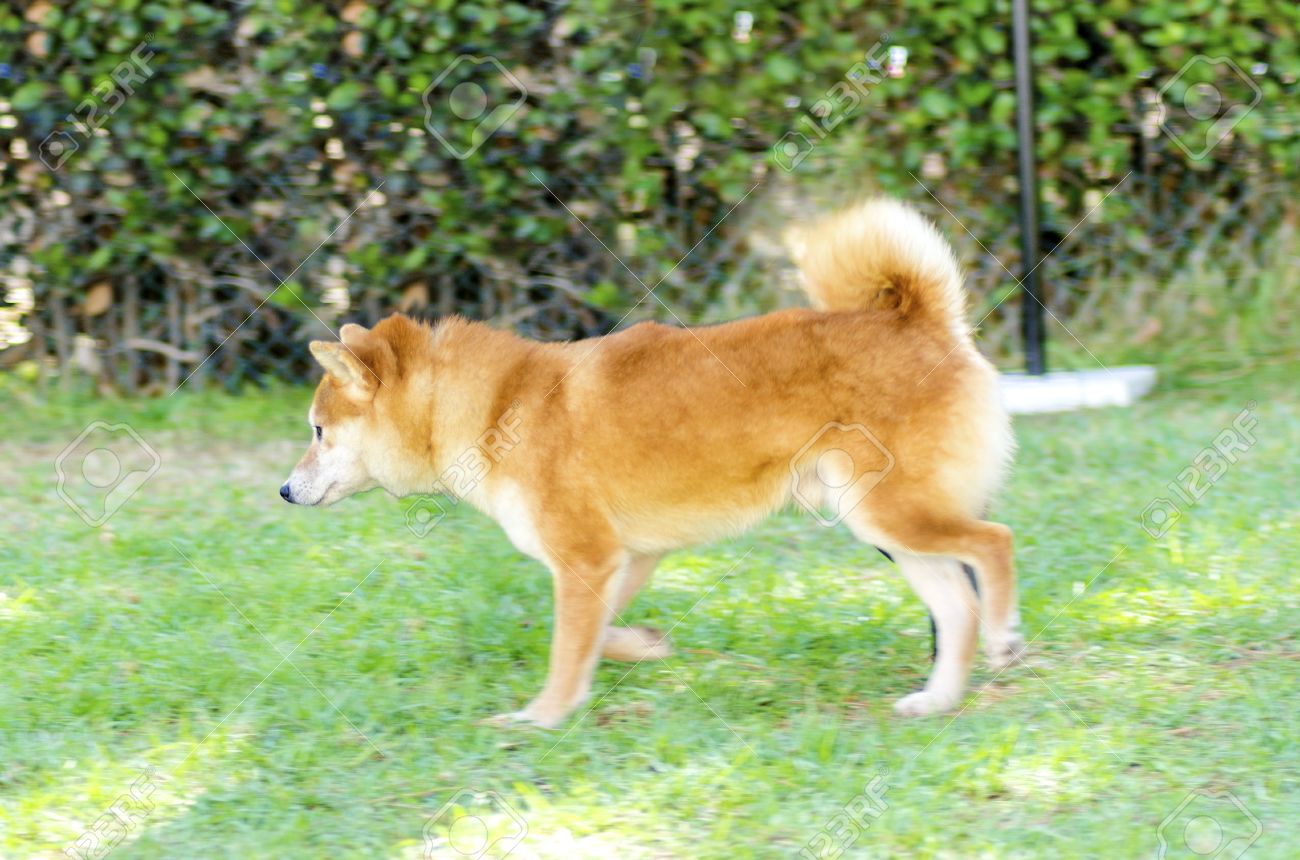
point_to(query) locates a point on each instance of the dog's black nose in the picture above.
(284, 494)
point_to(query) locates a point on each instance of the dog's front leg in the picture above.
(586, 590)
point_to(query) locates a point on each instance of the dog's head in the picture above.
(354, 441)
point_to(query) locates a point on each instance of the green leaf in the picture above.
(781, 68)
(288, 295)
(605, 294)
(71, 84)
(344, 96)
(29, 95)
(101, 257)
(415, 258)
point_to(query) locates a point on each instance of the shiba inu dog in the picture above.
(596, 457)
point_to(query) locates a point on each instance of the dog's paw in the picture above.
(926, 702)
(517, 720)
(499, 721)
(534, 715)
(634, 644)
(1003, 652)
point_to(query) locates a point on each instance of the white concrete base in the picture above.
(1063, 391)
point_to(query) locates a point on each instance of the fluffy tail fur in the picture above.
(881, 255)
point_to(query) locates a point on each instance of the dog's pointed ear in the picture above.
(358, 361)
(346, 368)
(355, 336)
(338, 361)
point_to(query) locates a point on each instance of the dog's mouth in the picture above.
(324, 499)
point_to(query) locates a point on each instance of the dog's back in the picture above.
(703, 425)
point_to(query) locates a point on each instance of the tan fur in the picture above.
(653, 438)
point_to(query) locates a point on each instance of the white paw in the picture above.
(656, 642)
(926, 702)
(634, 644)
(519, 719)
(1008, 649)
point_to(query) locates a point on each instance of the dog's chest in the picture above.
(505, 503)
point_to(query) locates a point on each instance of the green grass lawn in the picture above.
(308, 683)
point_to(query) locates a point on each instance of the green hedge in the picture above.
(650, 121)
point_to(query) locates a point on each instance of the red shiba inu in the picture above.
(873, 409)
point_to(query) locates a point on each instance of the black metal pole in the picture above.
(1031, 307)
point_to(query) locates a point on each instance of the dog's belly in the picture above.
(666, 533)
(644, 528)
(652, 529)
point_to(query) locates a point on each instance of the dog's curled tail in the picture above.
(884, 255)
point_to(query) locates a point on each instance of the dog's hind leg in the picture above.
(983, 545)
(635, 643)
(942, 585)
(934, 629)
(905, 522)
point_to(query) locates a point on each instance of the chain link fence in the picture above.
(211, 250)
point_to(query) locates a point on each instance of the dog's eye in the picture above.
(318, 432)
